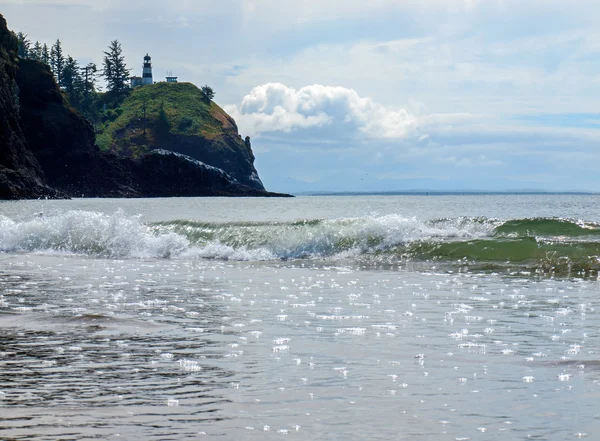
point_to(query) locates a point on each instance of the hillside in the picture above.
(48, 148)
(20, 173)
(62, 143)
(177, 118)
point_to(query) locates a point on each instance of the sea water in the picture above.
(313, 318)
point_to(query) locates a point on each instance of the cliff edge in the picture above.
(48, 149)
(177, 117)
(20, 173)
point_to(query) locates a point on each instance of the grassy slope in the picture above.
(186, 111)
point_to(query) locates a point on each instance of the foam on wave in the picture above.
(88, 233)
(121, 236)
(473, 239)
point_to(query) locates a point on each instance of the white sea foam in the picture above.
(121, 236)
(90, 233)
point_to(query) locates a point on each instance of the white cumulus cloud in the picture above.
(275, 107)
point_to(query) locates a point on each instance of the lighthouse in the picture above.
(147, 72)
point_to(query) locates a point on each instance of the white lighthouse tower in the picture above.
(147, 73)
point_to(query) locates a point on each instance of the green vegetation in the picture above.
(78, 83)
(57, 62)
(151, 113)
(23, 45)
(208, 93)
(128, 121)
(114, 69)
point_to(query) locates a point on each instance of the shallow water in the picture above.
(337, 346)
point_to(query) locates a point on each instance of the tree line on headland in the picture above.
(80, 83)
(48, 149)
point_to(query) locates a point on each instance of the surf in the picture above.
(546, 244)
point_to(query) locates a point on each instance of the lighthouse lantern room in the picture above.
(147, 72)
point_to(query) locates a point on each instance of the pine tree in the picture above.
(88, 104)
(88, 74)
(36, 51)
(114, 69)
(57, 62)
(23, 45)
(45, 55)
(71, 80)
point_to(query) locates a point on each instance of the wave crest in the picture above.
(539, 242)
(89, 233)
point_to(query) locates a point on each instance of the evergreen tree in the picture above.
(72, 81)
(23, 45)
(207, 93)
(57, 62)
(45, 55)
(114, 69)
(89, 79)
(86, 98)
(36, 51)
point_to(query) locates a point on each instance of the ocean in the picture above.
(446, 317)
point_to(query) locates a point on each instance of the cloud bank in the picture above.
(275, 107)
(486, 94)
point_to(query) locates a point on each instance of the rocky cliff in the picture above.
(63, 141)
(177, 117)
(20, 173)
(47, 149)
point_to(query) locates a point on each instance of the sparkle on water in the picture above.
(171, 349)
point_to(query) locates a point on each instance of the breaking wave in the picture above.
(545, 244)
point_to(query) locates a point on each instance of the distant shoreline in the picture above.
(448, 193)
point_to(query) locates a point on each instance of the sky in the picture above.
(372, 95)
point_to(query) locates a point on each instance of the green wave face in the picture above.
(488, 250)
(547, 245)
(527, 253)
(547, 227)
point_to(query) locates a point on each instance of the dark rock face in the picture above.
(47, 149)
(20, 173)
(227, 151)
(63, 141)
(162, 173)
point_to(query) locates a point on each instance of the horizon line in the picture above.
(444, 192)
